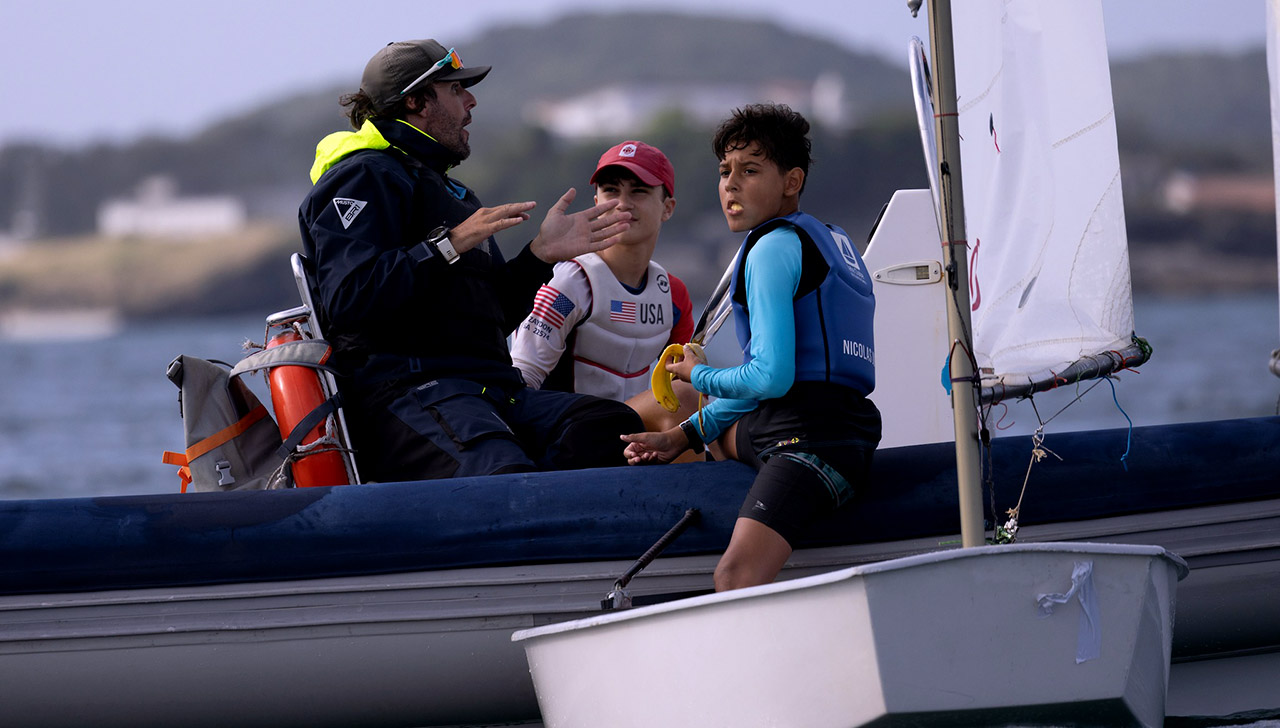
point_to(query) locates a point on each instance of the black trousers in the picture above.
(449, 428)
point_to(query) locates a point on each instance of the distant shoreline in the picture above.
(248, 273)
(141, 279)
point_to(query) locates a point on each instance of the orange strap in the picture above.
(225, 434)
(176, 458)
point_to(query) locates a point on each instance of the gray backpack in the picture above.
(232, 441)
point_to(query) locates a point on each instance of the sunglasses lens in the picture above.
(450, 60)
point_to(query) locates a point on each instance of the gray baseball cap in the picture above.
(404, 66)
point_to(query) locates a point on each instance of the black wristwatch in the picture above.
(440, 239)
(695, 438)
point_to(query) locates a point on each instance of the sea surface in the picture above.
(85, 414)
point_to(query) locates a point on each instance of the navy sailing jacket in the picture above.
(392, 306)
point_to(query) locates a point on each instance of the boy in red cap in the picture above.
(604, 317)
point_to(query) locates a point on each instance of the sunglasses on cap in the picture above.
(450, 60)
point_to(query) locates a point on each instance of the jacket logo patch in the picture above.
(348, 209)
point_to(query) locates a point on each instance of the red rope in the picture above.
(1124, 362)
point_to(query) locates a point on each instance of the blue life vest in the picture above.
(834, 305)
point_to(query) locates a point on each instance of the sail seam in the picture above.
(994, 78)
(1085, 130)
(1089, 224)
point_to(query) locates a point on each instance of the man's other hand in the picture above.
(564, 236)
(485, 222)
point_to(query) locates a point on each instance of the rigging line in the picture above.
(1122, 363)
(968, 336)
(974, 380)
(1038, 452)
(989, 483)
(1077, 398)
(1124, 459)
(988, 462)
(1000, 420)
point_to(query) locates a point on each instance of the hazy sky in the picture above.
(73, 71)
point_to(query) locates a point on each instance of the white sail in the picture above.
(1049, 265)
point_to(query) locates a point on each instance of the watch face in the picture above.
(446, 249)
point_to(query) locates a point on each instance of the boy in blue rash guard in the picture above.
(797, 407)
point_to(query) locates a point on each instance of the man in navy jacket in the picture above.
(418, 300)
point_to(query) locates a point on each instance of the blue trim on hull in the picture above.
(89, 544)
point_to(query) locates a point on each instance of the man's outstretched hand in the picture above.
(564, 236)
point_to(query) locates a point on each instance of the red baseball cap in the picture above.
(647, 162)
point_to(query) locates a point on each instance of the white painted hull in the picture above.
(950, 638)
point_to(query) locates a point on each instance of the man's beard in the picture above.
(448, 133)
(457, 147)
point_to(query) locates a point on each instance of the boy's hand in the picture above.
(647, 448)
(682, 368)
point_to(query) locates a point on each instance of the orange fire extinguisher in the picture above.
(296, 392)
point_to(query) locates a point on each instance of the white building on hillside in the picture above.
(623, 109)
(157, 212)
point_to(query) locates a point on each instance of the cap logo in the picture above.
(627, 150)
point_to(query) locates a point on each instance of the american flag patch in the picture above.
(622, 312)
(551, 306)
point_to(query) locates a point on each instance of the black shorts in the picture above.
(812, 449)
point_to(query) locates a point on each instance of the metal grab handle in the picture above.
(619, 599)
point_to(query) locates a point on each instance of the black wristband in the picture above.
(695, 438)
(422, 252)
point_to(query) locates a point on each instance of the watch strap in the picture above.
(695, 438)
(436, 245)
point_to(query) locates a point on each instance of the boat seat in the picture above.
(306, 319)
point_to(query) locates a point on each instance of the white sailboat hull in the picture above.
(949, 638)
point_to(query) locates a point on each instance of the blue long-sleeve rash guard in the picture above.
(772, 277)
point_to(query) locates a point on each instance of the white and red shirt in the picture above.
(591, 334)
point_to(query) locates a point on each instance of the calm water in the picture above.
(92, 417)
